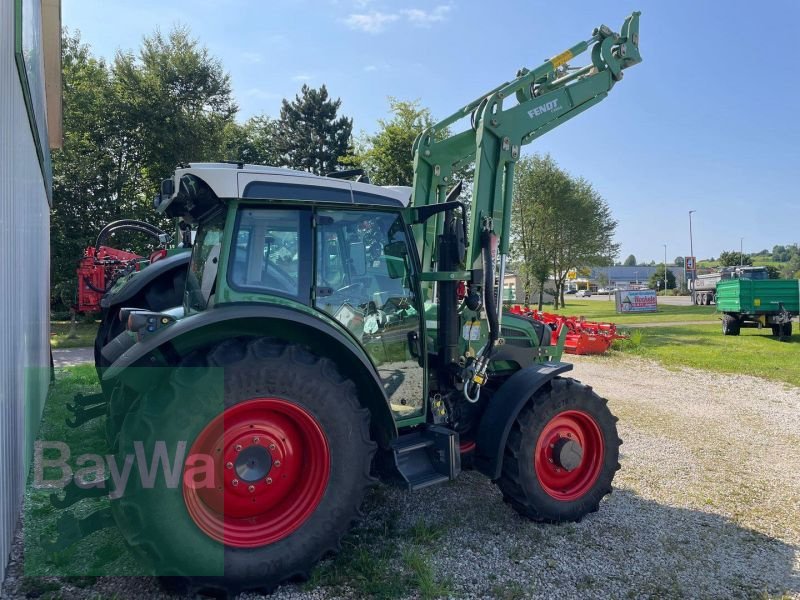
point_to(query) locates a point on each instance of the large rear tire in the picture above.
(303, 441)
(561, 455)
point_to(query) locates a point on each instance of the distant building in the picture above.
(30, 124)
(589, 279)
(628, 277)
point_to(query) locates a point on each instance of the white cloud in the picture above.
(424, 18)
(252, 58)
(301, 77)
(261, 94)
(370, 68)
(373, 22)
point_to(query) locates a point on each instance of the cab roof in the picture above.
(257, 182)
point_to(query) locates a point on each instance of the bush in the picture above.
(631, 343)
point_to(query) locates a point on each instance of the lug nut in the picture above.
(550, 459)
(255, 440)
(238, 447)
(269, 480)
(251, 489)
(235, 482)
(229, 465)
(277, 463)
(272, 446)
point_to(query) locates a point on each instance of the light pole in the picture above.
(665, 269)
(687, 272)
(741, 255)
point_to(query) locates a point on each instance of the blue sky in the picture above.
(707, 122)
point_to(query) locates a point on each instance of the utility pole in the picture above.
(741, 255)
(691, 253)
(665, 269)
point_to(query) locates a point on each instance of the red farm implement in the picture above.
(583, 337)
(101, 266)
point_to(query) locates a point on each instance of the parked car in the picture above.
(571, 291)
(583, 293)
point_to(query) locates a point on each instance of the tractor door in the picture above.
(364, 279)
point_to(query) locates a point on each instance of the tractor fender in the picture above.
(503, 409)
(143, 278)
(249, 320)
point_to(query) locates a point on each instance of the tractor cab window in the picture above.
(266, 255)
(363, 279)
(202, 276)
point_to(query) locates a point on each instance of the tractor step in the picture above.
(427, 456)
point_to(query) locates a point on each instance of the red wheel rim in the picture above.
(569, 427)
(271, 467)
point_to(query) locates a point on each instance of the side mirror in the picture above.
(358, 259)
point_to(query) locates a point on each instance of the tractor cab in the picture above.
(338, 250)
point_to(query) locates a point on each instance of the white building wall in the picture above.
(24, 287)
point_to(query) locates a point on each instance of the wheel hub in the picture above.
(567, 454)
(253, 463)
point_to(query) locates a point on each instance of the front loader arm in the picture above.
(545, 98)
(512, 114)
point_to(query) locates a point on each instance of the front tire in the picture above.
(297, 491)
(561, 455)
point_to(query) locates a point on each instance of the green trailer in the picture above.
(758, 303)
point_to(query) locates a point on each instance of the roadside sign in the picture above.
(572, 274)
(636, 301)
(690, 263)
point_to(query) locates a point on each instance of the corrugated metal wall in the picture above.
(24, 287)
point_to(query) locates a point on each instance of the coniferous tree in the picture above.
(311, 137)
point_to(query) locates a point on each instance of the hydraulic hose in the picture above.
(489, 298)
(472, 388)
(132, 224)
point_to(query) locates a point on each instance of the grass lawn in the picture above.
(102, 552)
(602, 310)
(754, 352)
(84, 334)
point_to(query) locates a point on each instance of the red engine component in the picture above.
(583, 337)
(97, 271)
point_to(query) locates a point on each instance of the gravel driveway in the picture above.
(707, 504)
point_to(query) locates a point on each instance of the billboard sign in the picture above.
(636, 301)
(690, 263)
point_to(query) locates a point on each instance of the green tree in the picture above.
(792, 268)
(176, 100)
(254, 142)
(126, 126)
(558, 221)
(678, 261)
(734, 259)
(386, 156)
(773, 272)
(630, 261)
(657, 279)
(311, 135)
(88, 175)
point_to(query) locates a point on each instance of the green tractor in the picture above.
(335, 332)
